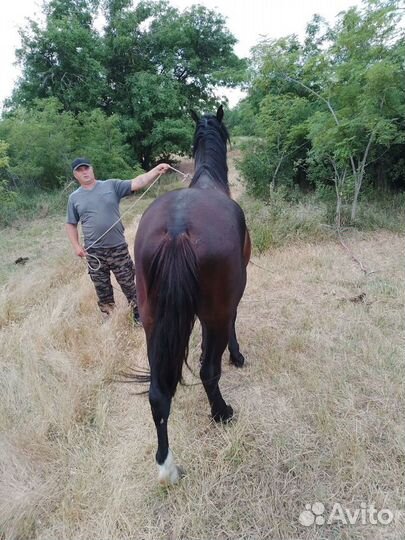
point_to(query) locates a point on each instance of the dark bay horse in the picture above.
(191, 251)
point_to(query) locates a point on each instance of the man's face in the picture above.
(85, 175)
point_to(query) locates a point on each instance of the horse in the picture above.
(191, 250)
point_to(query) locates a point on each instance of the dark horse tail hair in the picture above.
(173, 284)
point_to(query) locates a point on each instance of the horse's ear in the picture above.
(194, 116)
(220, 113)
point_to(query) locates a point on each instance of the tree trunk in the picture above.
(357, 186)
(273, 180)
(358, 177)
(339, 181)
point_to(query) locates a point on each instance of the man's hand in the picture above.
(162, 168)
(80, 251)
(73, 236)
(146, 179)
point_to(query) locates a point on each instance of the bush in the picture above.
(40, 143)
(99, 138)
(43, 141)
(255, 168)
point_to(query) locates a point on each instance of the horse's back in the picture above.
(214, 223)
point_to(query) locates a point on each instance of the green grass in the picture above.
(26, 206)
(279, 221)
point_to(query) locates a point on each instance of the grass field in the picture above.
(319, 404)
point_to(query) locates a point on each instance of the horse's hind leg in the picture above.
(160, 401)
(215, 342)
(203, 340)
(236, 358)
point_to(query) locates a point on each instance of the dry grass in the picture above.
(319, 405)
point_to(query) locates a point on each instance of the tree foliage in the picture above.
(42, 140)
(160, 63)
(147, 68)
(63, 58)
(329, 111)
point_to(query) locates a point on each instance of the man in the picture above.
(96, 205)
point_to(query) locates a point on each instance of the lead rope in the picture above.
(94, 269)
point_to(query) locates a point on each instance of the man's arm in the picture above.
(143, 180)
(73, 236)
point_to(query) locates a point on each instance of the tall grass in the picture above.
(28, 205)
(281, 220)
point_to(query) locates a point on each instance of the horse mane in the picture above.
(209, 150)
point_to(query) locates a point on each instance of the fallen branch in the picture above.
(355, 259)
(258, 266)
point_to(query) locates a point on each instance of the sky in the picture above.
(248, 20)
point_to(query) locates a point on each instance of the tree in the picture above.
(62, 59)
(160, 63)
(241, 119)
(196, 50)
(368, 94)
(149, 67)
(283, 124)
(350, 76)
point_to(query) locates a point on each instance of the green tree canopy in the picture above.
(340, 92)
(43, 139)
(148, 67)
(62, 58)
(160, 63)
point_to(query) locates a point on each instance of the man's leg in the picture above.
(124, 270)
(99, 273)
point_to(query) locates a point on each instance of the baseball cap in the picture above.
(78, 162)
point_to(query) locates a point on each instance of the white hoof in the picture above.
(168, 472)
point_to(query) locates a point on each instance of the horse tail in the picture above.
(173, 284)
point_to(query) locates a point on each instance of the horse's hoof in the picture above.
(224, 416)
(169, 473)
(237, 361)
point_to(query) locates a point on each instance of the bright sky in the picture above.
(248, 20)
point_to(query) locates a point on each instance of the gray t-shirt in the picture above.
(97, 209)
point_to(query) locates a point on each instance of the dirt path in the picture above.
(318, 404)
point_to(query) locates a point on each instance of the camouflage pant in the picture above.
(118, 261)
